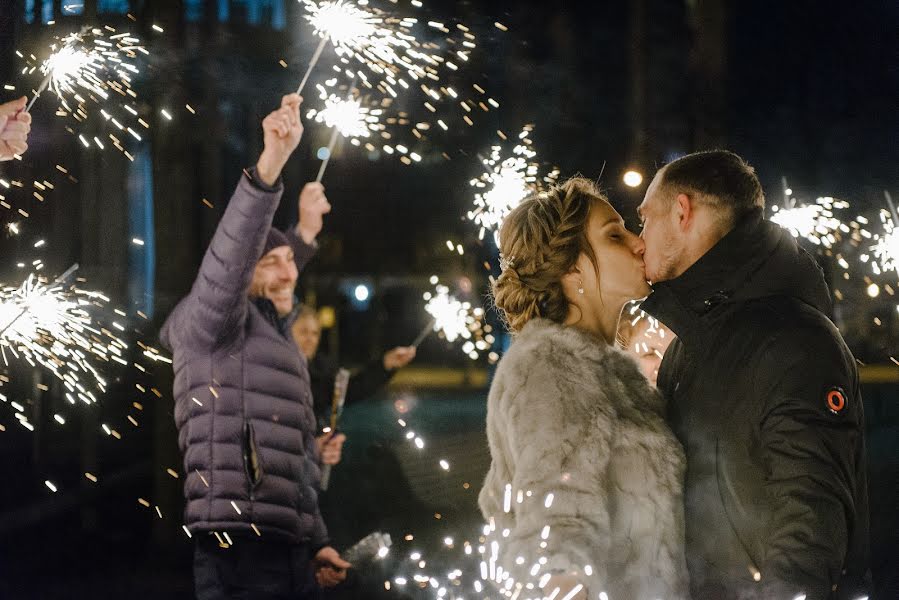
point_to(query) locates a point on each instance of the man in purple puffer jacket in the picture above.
(243, 406)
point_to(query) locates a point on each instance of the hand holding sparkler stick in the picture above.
(311, 208)
(282, 132)
(15, 124)
(341, 382)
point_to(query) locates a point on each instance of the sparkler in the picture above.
(96, 65)
(384, 45)
(48, 324)
(455, 320)
(886, 247)
(815, 222)
(507, 180)
(394, 57)
(344, 116)
(315, 56)
(450, 315)
(347, 116)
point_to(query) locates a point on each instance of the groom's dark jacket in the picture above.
(763, 393)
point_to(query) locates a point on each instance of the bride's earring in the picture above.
(580, 289)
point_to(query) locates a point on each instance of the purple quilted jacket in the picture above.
(243, 406)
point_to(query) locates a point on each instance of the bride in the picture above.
(584, 492)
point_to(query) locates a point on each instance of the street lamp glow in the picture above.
(361, 293)
(632, 178)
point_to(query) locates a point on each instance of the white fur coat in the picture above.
(585, 477)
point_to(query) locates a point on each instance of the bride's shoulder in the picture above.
(542, 339)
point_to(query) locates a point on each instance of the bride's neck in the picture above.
(602, 324)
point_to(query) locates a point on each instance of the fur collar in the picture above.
(581, 352)
(561, 338)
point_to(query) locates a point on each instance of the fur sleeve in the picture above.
(557, 436)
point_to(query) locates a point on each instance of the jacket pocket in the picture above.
(252, 464)
(736, 515)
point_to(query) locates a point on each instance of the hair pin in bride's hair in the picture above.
(506, 263)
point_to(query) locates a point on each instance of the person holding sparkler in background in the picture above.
(243, 406)
(762, 391)
(15, 124)
(307, 332)
(584, 492)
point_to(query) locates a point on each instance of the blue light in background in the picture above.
(119, 7)
(224, 10)
(72, 7)
(142, 241)
(193, 10)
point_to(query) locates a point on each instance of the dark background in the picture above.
(804, 90)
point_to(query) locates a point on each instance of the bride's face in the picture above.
(620, 275)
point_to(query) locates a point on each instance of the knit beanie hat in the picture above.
(275, 239)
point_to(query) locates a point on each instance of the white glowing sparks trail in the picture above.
(816, 222)
(508, 178)
(450, 315)
(48, 324)
(348, 115)
(886, 246)
(93, 66)
(383, 44)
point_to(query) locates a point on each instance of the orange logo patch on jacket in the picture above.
(836, 400)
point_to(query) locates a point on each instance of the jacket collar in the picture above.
(755, 260)
(281, 324)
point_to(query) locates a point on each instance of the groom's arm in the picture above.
(810, 430)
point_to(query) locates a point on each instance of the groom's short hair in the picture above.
(718, 178)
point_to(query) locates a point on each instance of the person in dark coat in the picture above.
(762, 392)
(364, 383)
(243, 406)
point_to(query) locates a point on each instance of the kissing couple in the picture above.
(743, 475)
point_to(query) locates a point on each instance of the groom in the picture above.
(762, 391)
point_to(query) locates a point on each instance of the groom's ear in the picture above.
(683, 205)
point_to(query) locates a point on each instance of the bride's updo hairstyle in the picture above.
(540, 242)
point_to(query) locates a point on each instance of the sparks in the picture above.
(508, 179)
(48, 324)
(348, 115)
(815, 222)
(396, 54)
(455, 319)
(886, 246)
(95, 65)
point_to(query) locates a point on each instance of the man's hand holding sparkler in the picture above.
(282, 131)
(14, 127)
(330, 447)
(330, 569)
(312, 206)
(398, 358)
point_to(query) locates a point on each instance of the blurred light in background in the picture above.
(632, 179)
